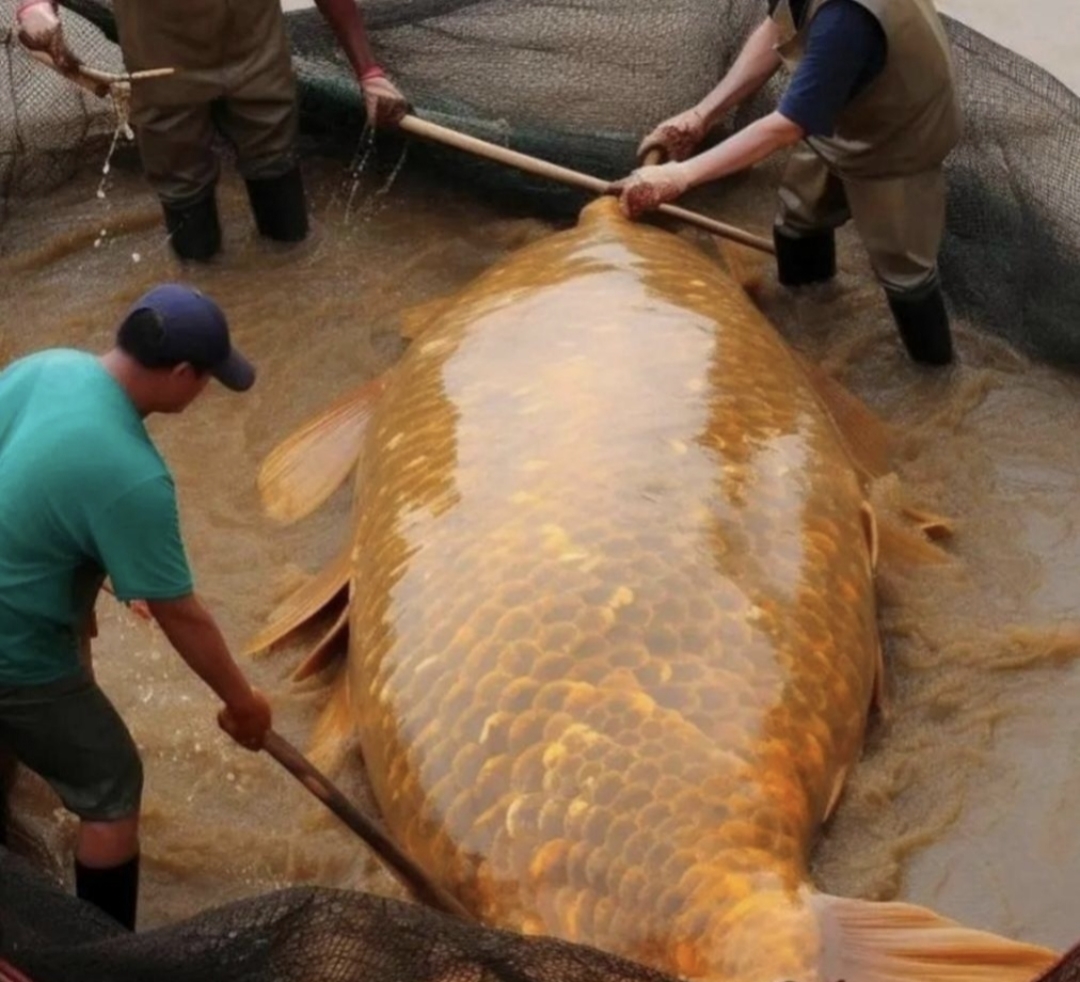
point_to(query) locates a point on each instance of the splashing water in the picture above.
(366, 147)
(120, 95)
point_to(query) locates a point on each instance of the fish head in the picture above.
(604, 210)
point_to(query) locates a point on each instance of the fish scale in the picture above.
(612, 633)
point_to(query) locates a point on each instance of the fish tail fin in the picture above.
(870, 941)
(301, 472)
(1065, 968)
(334, 730)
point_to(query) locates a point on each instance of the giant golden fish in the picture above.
(612, 625)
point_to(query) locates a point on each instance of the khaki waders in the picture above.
(882, 168)
(234, 77)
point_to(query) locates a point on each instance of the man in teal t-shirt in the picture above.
(84, 493)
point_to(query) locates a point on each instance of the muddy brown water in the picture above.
(966, 796)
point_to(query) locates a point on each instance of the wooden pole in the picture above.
(93, 79)
(554, 172)
(406, 871)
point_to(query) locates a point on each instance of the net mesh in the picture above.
(303, 933)
(46, 122)
(575, 84)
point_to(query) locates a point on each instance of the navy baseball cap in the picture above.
(174, 323)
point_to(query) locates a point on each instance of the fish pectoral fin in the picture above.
(879, 700)
(745, 265)
(837, 790)
(334, 730)
(417, 319)
(867, 438)
(906, 535)
(305, 603)
(326, 649)
(909, 547)
(870, 531)
(933, 526)
(871, 941)
(302, 471)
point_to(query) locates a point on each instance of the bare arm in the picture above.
(649, 187)
(346, 22)
(744, 149)
(194, 633)
(383, 101)
(755, 65)
(676, 138)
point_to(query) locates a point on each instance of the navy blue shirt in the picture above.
(845, 52)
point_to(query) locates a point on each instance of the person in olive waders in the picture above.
(872, 106)
(234, 76)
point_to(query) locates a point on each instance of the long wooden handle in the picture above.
(554, 172)
(93, 79)
(407, 872)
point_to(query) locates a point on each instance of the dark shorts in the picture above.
(69, 734)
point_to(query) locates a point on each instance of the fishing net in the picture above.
(46, 123)
(578, 83)
(296, 934)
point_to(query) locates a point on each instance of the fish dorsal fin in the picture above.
(307, 467)
(305, 603)
(871, 941)
(866, 436)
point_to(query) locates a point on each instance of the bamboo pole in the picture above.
(94, 80)
(406, 871)
(554, 172)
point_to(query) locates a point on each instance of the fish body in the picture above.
(613, 641)
(612, 626)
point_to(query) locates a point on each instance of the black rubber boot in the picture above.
(114, 890)
(924, 325)
(8, 767)
(194, 231)
(806, 259)
(279, 206)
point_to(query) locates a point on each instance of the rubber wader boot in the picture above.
(806, 259)
(115, 890)
(194, 231)
(279, 206)
(924, 325)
